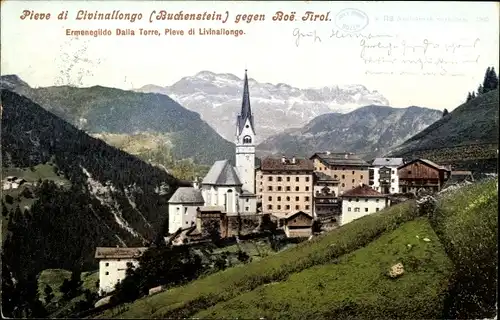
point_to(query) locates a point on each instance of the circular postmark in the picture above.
(351, 20)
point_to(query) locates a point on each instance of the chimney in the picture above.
(195, 183)
(283, 159)
(293, 160)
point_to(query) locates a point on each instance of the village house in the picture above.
(12, 182)
(327, 206)
(182, 208)
(113, 264)
(422, 174)
(350, 169)
(298, 225)
(361, 201)
(384, 175)
(285, 186)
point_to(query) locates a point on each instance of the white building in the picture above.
(361, 201)
(113, 264)
(234, 187)
(182, 208)
(385, 174)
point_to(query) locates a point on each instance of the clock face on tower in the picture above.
(247, 157)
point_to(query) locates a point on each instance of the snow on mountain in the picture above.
(276, 107)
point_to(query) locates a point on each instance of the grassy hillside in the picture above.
(467, 137)
(101, 109)
(342, 274)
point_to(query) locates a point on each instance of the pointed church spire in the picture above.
(246, 110)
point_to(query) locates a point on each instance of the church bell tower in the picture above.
(245, 142)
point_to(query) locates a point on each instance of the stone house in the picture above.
(361, 201)
(285, 186)
(349, 168)
(384, 175)
(113, 263)
(182, 208)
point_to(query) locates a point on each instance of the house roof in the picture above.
(298, 214)
(212, 209)
(362, 191)
(320, 176)
(427, 162)
(390, 162)
(247, 194)
(222, 173)
(339, 159)
(271, 164)
(118, 253)
(187, 195)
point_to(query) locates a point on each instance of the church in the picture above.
(228, 188)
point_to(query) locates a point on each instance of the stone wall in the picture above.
(243, 224)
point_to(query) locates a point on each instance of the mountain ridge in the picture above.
(368, 131)
(100, 109)
(217, 97)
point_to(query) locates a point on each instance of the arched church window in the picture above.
(230, 190)
(247, 139)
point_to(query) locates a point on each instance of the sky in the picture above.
(427, 54)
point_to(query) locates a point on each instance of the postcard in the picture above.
(249, 159)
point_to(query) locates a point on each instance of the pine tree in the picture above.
(485, 85)
(480, 90)
(473, 95)
(469, 98)
(492, 80)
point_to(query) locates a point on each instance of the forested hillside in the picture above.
(78, 193)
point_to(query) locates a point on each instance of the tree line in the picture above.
(490, 83)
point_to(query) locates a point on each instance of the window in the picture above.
(270, 206)
(247, 139)
(315, 169)
(357, 200)
(392, 188)
(269, 178)
(343, 176)
(187, 222)
(288, 179)
(279, 198)
(297, 207)
(247, 209)
(279, 188)
(376, 200)
(307, 207)
(393, 171)
(307, 179)
(350, 199)
(246, 200)
(307, 188)
(353, 172)
(296, 198)
(287, 207)
(107, 264)
(270, 188)
(297, 179)
(349, 209)
(343, 184)
(288, 188)
(352, 180)
(185, 211)
(361, 176)
(409, 171)
(335, 176)
(270, 198)
(366, 200)
(392, 180)
(279, 178)
(287, 198)
(366, 209)
(279, 207)
(356, 209)
(260, 190)
(307, 198)
(107, 273)
(297, 188)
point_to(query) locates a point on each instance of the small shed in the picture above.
(298, 225)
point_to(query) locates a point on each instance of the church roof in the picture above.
(222, 173)
(186, 195)
(246, 110)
